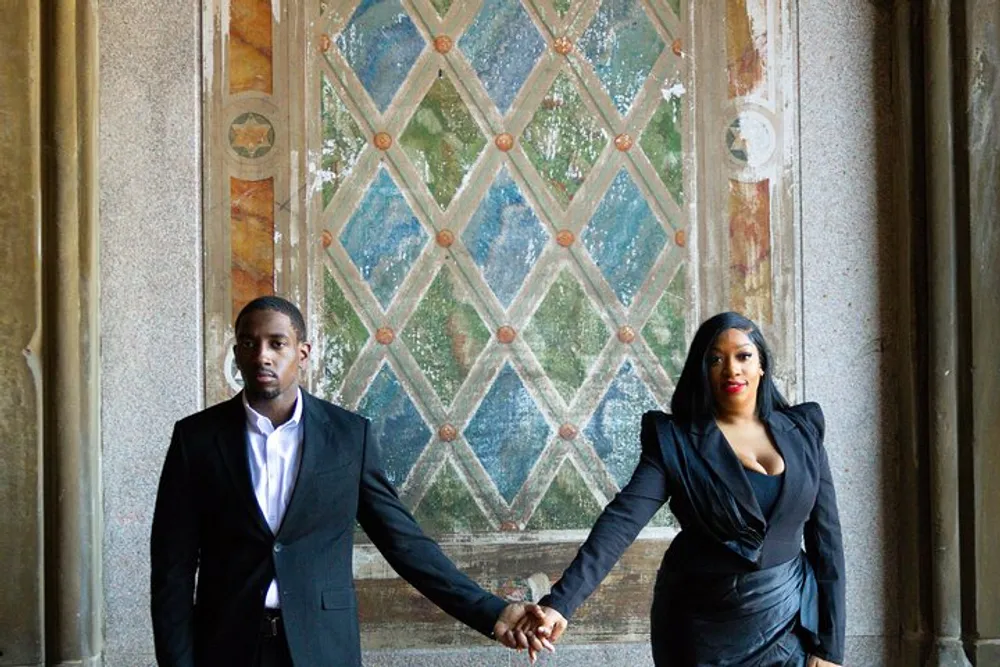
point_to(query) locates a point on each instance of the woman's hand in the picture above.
(544, 629)
(517, 628)
(554, 624)
(820, 662)
(536, 630)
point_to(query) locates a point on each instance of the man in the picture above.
(257, 502)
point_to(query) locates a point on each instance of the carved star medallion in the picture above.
(251, 135)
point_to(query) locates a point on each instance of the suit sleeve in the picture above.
(416, 557)
(174, 560)
(616, 528)
(825, 551)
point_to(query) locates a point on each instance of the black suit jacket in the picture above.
(693, 466)
(207, 521)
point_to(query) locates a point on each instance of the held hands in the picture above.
(518, 614)
(535, 629)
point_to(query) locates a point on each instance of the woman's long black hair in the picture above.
(692, 400)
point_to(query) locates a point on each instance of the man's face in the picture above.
(269, 355)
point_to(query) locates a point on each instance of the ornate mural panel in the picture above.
(504, 219)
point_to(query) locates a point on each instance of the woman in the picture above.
(747, 477)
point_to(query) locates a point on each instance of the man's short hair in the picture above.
(278, 305)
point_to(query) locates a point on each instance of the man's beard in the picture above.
(265, 394)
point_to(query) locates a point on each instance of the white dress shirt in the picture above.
(274, 455)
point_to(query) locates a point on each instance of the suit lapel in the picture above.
(232, 443)
(314, 454)
(714, 448)
(783, 432)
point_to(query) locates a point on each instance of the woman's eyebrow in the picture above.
(716, 349)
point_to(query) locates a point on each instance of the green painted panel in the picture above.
(561, 6)
(563, 140)
(446, 335)
(442, 6)
(343, 141)
(449, 507)
(567, 504)
(443, 140)
(662, 143)
(664, 332)
(566, 334)
(344, 334)
(676, 6)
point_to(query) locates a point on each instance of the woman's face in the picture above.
(734, 371)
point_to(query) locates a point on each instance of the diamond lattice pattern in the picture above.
(503, 312)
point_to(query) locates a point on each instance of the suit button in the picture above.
(277, 547)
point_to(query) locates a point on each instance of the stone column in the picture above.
(21, 525)
(980, 95)
(948, 200)
(51, 597)
(909, 209)
(70, 347)
(943, 338)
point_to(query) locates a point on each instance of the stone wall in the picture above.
(151, 294)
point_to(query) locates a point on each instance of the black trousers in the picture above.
(272, 647)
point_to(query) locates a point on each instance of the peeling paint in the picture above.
(676, 90)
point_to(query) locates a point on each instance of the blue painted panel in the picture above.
(503, 46)
(381, 44)
(505, 237)
(400, 429)
(624, 237)
(614, 427)
(622, 45)
(508, 432)
(383, 238)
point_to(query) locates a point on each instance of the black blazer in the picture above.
(693, 466)
(207, 520)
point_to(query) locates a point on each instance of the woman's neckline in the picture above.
(764, 474)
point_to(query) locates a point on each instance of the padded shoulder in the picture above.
(335, 411)
(810, 415)
(654, 424)
(212, 418)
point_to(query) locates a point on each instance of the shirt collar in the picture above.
(262, 424)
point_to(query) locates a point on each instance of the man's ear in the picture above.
(305, 348)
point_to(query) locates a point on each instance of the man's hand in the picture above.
(820, 662)
(517, 614)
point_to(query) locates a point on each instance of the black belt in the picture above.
(270, 624)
